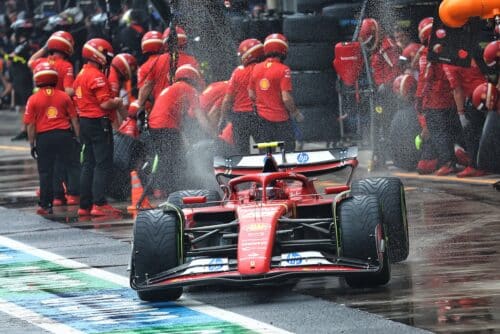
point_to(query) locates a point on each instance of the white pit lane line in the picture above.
(56, 327)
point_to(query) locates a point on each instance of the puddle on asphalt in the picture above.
(451, 281)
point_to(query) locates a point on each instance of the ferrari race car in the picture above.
(272, 224)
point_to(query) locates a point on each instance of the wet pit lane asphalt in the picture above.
(450, 282)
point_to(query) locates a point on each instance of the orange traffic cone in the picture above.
(137, 191)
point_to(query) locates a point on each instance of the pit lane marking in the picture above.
(35, 318)
(57, 327)
(487, 181)
(14, 148)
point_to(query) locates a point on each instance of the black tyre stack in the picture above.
(311, 39)
(346, 14)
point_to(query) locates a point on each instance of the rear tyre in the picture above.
(157, 247)
(391, 194)
(359, 217)
(175, 198)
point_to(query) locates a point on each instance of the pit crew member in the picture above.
(384, 63)
(123, 68)
(435, 102)
(57, 52)
(167, 122)
(158, 78)
(49, 116)
(151, 47)
(94, 102)
(237, 106)
(463, 81)
(270, 88)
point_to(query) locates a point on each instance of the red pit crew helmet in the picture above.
(152, 42)
(125, 64)
(45, 75)
(425, 29)
(182, 39)
(250, 51)
(98, 50)
(276, 44)
(369, 34)
(348, 62)
(187, 72)
(491, 53)
(412, 52)
(404, 85)
(485, 96)
(61, 41)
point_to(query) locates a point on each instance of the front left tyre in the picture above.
(157, 247)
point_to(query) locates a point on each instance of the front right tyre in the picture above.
(391, 195)
(360, 217)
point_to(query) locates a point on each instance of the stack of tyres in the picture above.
(311, 39)
(240, 27)
(262, 27)
(346, 14)
(316, 6)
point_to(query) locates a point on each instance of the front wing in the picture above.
(206, 271)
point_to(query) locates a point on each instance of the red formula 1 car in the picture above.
(272, 224)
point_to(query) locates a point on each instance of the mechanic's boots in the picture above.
(44, 211)
(447, 169)
(72, 200)
(59, 202)
(471, 172)
(83, 212)
(427, 166)
(104, 210)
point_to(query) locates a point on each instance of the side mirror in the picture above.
(194, 199)
(336, 189)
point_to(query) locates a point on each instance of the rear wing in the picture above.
(309, 163)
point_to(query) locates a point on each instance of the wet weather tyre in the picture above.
(212, 196)
(156, 248)
(391, 194)
(404, 128)
(359, 217)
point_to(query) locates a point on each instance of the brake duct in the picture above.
(455, 13)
